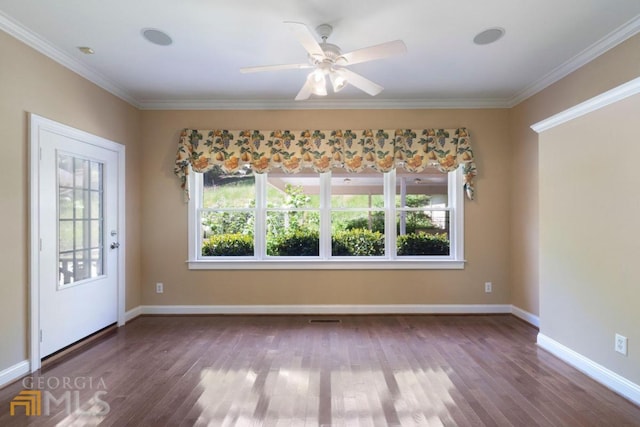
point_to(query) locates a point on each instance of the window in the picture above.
(80, 220)
(330, 220)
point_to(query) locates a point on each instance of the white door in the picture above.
(78, 262)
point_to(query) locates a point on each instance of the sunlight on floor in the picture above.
(310, 396)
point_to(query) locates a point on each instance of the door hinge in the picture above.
(40, 245)
(40, 152)
(40, 335)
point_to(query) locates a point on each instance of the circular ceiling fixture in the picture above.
(489, 36)
(156, 37)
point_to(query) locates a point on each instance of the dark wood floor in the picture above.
(285, 371)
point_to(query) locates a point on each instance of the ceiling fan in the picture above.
(328, 60)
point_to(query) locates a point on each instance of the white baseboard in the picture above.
(329, 309)
(604, 376)
(526, 316)
(133, 313)
(336, 309)
(14, 372)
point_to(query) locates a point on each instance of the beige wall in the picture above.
(615, 67)
(164, 219)
(589, 279)
(30, 82)
(501, 225)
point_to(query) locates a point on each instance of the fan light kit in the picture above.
(327, 60)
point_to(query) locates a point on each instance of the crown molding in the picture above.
(35, 41)
(613, 39)
(320, 104)
(616, 94)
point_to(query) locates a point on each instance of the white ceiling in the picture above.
(544, 40)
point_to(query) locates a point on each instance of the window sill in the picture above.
(326, 265)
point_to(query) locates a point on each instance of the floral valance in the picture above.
(323, 150)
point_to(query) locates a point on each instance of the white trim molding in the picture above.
(624, 32)
(609, 97)
(329, 309)
(40, 44)
(604, 376)
(530, 318)
(13, 373)
(36, 125)
(321, 104)
(132, 314)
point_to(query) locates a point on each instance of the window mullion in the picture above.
(390, 214)
(325, 215)
(195, 204)
(260, 223)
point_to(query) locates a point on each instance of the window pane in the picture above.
(293, 191)
(96, 234)
(96, 208)
(426, 221)
(423, 233)
(293, 233)
(357, 191)
(65, 239)
(96, 263)
(420, 190)
(81, 203)
(227, 233)
(81, 235)
(66, 268)
(80, 240)
(96, 176)
(357, 233)
(82, 266)
(349, 220)
(219, 223)
(81, 172)
(65, 203)
(65, 170)
(235, 190)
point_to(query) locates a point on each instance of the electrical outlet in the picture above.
(159, 288)
(621, 344)
(488, 287)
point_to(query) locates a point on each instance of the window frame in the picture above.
(455, 260)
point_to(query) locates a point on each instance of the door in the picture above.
(78, 226)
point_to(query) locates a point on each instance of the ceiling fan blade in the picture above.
(360, 82)
(371, 53)
(257, 69)
(306, 90)
(305, 37)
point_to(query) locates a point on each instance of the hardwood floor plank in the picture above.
(284, 371)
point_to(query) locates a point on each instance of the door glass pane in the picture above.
(65, 197)
(95, 233)
(81, 266)
(96, 204)
(65, 238)
(96, 176)
(81, 173)
(80, 203)
(80, 234)
(80, 222)
(96, 262)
